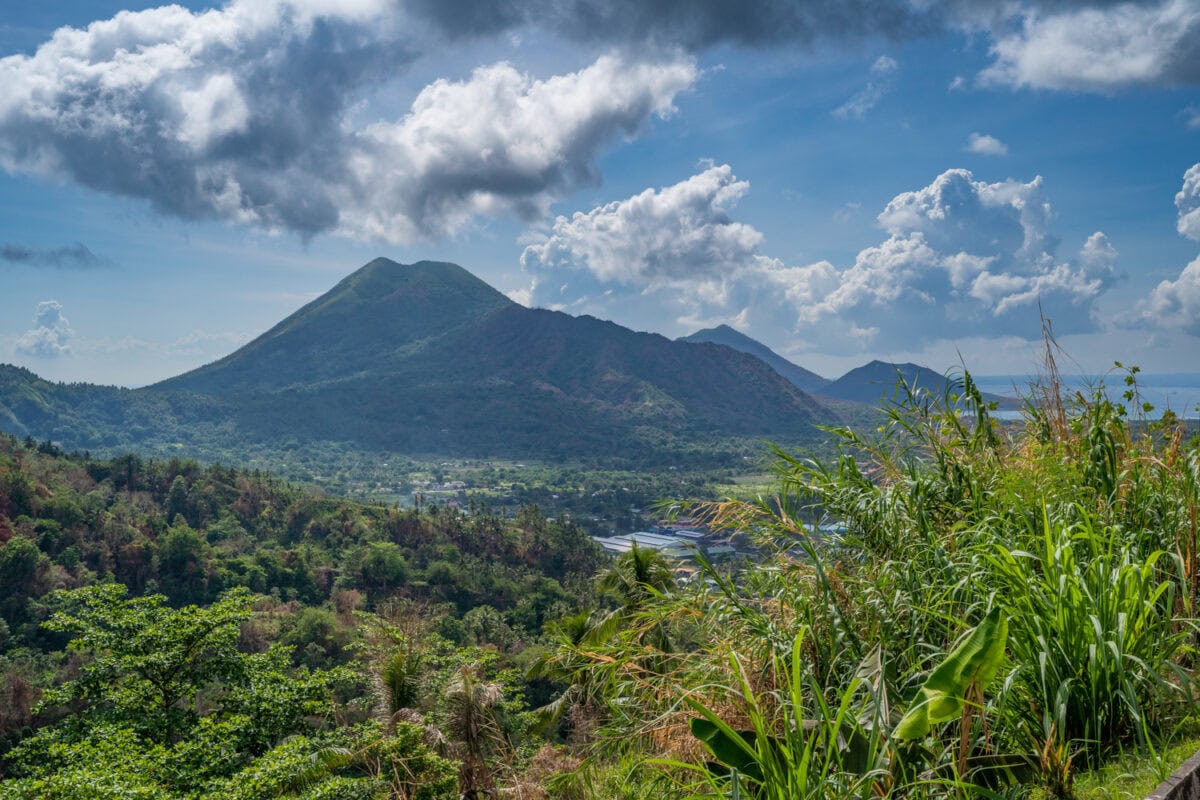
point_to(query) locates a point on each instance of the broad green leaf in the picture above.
(973, 663)
(724, 744)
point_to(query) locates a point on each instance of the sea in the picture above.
(1179, 391)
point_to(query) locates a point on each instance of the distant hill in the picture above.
(803, 379)
(877, 380)
(428, 359)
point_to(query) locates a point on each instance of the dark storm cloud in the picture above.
(698, 24)
(1090, 45)
(233, 113)
(75, 256)
(693, 24)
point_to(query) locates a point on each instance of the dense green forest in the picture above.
(270, 606)
(992, 610)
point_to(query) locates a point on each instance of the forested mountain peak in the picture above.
(878, 380)
(368, 318)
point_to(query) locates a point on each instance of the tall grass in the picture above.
(1078, 526)
(784, 756)
(1094, 635)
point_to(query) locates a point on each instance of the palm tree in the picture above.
(473, 705)
(634, 579)
(400, 677)
(638, 576)
(570, 662)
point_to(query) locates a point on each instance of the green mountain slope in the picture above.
(427, 359)
(803, 379)
(876, 381)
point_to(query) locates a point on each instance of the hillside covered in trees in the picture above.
(987, 610)
(208, 615)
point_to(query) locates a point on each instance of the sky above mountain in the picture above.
(908, 180)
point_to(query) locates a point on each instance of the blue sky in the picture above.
(843, 181)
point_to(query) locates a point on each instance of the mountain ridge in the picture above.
(804, 379)
(877, 380)
(427, 358)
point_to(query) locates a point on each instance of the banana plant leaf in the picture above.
(733, 749)
(973, 663)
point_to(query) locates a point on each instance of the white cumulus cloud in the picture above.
(985, 145)
(1176, 304)
(50, 335)
(249, 113)
(500, 141)
(1188, 203)
(1101, 48)
(965, 258)
(661, 236)
(962, 257)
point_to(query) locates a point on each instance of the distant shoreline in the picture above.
(1179, 391)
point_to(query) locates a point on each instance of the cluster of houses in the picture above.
(682, 539)
(679, 539)
(433, 486)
